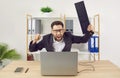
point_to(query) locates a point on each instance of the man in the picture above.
(58, 40)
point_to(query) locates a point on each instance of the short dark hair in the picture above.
(56, 23)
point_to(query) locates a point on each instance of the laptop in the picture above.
(59, 63)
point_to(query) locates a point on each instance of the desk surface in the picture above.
(103, 69)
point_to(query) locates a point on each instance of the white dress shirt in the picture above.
(58, 45)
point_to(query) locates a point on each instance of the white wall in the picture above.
(13, 22)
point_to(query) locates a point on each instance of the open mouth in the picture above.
(58, 38)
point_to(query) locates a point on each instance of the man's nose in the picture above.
(58, 32)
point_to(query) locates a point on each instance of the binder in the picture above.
(93, 44)
(82, 15)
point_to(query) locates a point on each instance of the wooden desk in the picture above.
(103, 69)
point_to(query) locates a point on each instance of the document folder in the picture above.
(93, 44)
(82, 15)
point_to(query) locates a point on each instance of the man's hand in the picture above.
(37, 37)
(91, 28)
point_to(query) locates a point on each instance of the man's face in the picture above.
(58, 32)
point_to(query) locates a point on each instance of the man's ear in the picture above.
(51, 31)
(64, 29)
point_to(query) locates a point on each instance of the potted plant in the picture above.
(6, 53)
(46, 9)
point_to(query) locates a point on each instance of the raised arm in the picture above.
(36, 44)
(85, 38)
